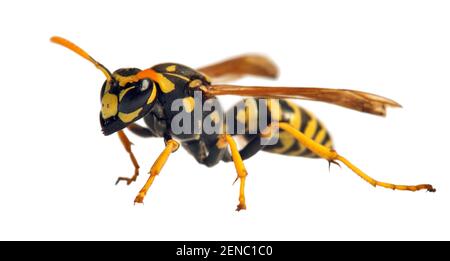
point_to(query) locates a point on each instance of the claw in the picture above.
(128, 180)
(334, 162)
(139, 199)
(241, 207)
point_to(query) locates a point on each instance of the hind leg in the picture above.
(333, 156)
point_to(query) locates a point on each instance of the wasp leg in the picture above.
(127, 145)
(171, 146)
(240, 66)
(333, 156)
(254, 145)
(240, 168)
(204, 154)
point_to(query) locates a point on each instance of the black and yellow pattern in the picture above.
(281, 110)
(305, 122)
(130, 94)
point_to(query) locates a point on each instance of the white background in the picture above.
(57, 170)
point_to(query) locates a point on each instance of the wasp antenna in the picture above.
(71, 46)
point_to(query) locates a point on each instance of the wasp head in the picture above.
(125, 95)
(125, 99)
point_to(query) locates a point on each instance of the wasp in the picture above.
(130, 94)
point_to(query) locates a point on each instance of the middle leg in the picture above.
(253, 146)
(240, 168)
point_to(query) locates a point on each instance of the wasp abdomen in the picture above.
(281, 110)
(304, 121)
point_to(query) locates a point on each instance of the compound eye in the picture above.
(102, 91)
(133, 98)
(145, 85)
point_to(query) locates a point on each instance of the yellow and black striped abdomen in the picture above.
(301, 119)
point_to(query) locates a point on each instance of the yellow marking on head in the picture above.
(129, 117)
(122, 93)
(188, 104)
(179, 76)
(152, 95)
(195, 83)
(123, 80)
(171, 68)
(109, 105)
(274, 108)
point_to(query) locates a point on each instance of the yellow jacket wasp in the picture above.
(129, 94)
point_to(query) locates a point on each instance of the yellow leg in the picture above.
(171, 146)
(127, 145)
(332, 156)
(240, 169)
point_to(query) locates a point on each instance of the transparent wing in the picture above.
(356, 100)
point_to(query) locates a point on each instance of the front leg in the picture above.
(127, 145)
